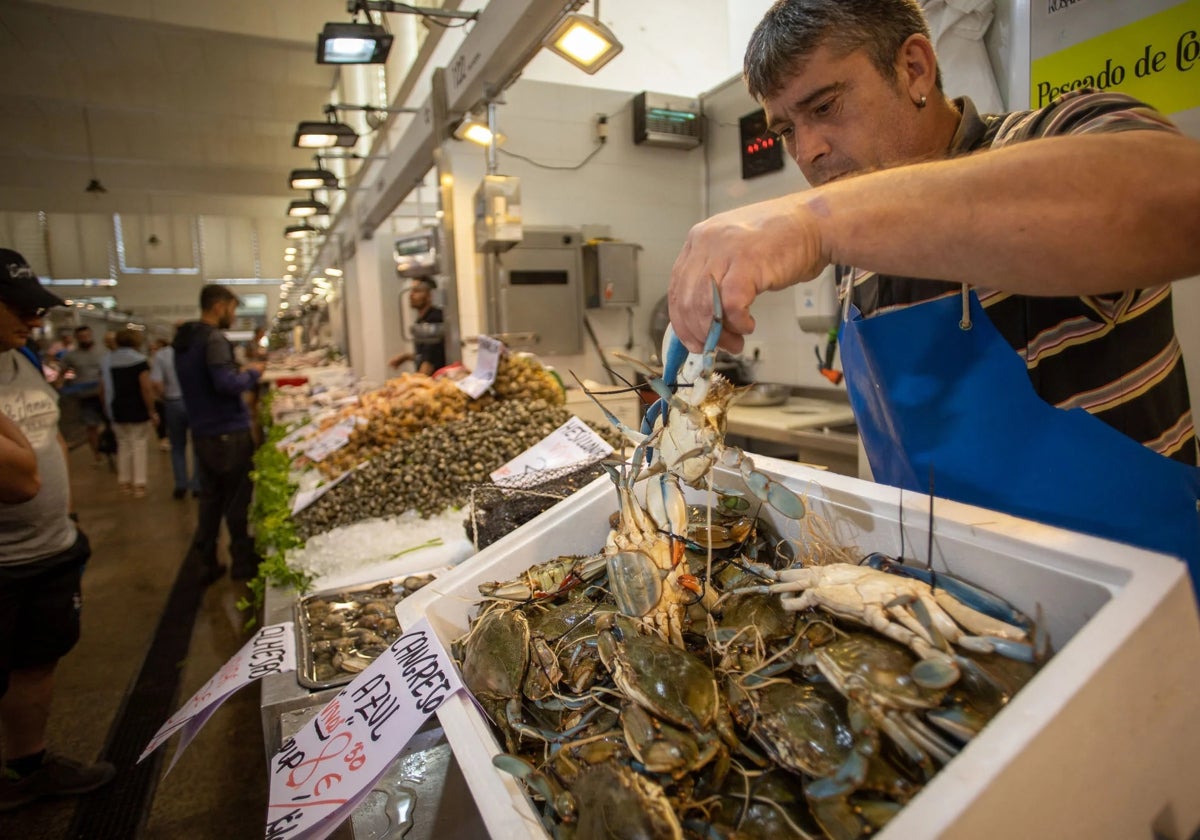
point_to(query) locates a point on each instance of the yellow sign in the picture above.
(1156, 60)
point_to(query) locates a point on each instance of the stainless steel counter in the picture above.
(815, 429)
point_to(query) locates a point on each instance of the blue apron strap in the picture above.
(957, 403)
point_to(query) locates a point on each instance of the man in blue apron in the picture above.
(1067, 224)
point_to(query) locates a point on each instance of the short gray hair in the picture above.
(791, 30)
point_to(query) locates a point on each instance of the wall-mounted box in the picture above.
(660, 119)
(419, 254)
(498, 213)
(610, 274)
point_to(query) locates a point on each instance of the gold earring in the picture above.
(921, 104)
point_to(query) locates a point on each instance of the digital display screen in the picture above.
(762, 151)
(537, 278)
(414, 246)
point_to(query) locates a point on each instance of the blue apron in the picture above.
(934, 399)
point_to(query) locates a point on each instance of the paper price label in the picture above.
(329, 441)
(271, 651)
(304, 498)
(321, 774)
(294, 440)
(485, 368)
(571, 444)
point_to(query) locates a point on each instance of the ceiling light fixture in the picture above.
(584, 41)
(324, 135)
(300, 231)
(353, 43)
(93, 186)
(312, 179)
(304, 207)
(476, 131)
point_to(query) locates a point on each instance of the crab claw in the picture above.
(666, 504)
(691, 583)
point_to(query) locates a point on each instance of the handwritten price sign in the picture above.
(321, 774)
(485, 368)
(271, 651)
(571, 444)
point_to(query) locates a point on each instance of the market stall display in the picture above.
(411, 449)
(1093, 599)
(436, 468)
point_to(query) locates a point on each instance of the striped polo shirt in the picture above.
(1114, 355)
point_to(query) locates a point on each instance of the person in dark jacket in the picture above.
(212, 385)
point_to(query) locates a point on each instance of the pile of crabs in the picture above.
(705, 675)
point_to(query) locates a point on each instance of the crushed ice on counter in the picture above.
(379, 548)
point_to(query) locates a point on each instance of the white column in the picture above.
(367, 305)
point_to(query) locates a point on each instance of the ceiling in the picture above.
(190, 106)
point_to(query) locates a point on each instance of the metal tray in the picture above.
(348, 618)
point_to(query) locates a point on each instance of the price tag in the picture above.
(291, 442)
(329, 441)
(484, 374)
(571, 444)
(304, 498)
(322, 773)
(271, 651)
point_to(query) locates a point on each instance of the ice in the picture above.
(375, 549)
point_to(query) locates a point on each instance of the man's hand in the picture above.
(255, 366)
(748, 251)
(396, 361)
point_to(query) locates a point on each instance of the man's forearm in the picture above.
(1059, 216)
(19, 478)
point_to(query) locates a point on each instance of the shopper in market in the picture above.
(429, 338)
(212, 385)
(160, 429)
(166, 381)
(83, 363)
(42, 555)
(129, 397)
(1068, 223)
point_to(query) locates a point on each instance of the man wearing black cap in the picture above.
(42, 554)
(213, 384)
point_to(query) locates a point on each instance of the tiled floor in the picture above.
(218, 788)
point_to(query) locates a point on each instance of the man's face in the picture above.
(418, 296)
(16, 325)
(225, 314)
(839, 117)
(84, 337)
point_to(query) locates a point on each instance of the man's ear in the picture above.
(916, 67)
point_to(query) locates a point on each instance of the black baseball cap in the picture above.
(19, 286)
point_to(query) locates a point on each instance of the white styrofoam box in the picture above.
(1103, 742)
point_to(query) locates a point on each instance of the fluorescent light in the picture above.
(585, 42)
(353, 43)
(334, 272)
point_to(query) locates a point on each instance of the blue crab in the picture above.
(683, 434)
(647, 574)
(904, 609)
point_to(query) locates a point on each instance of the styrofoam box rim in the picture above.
(1118, 585)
